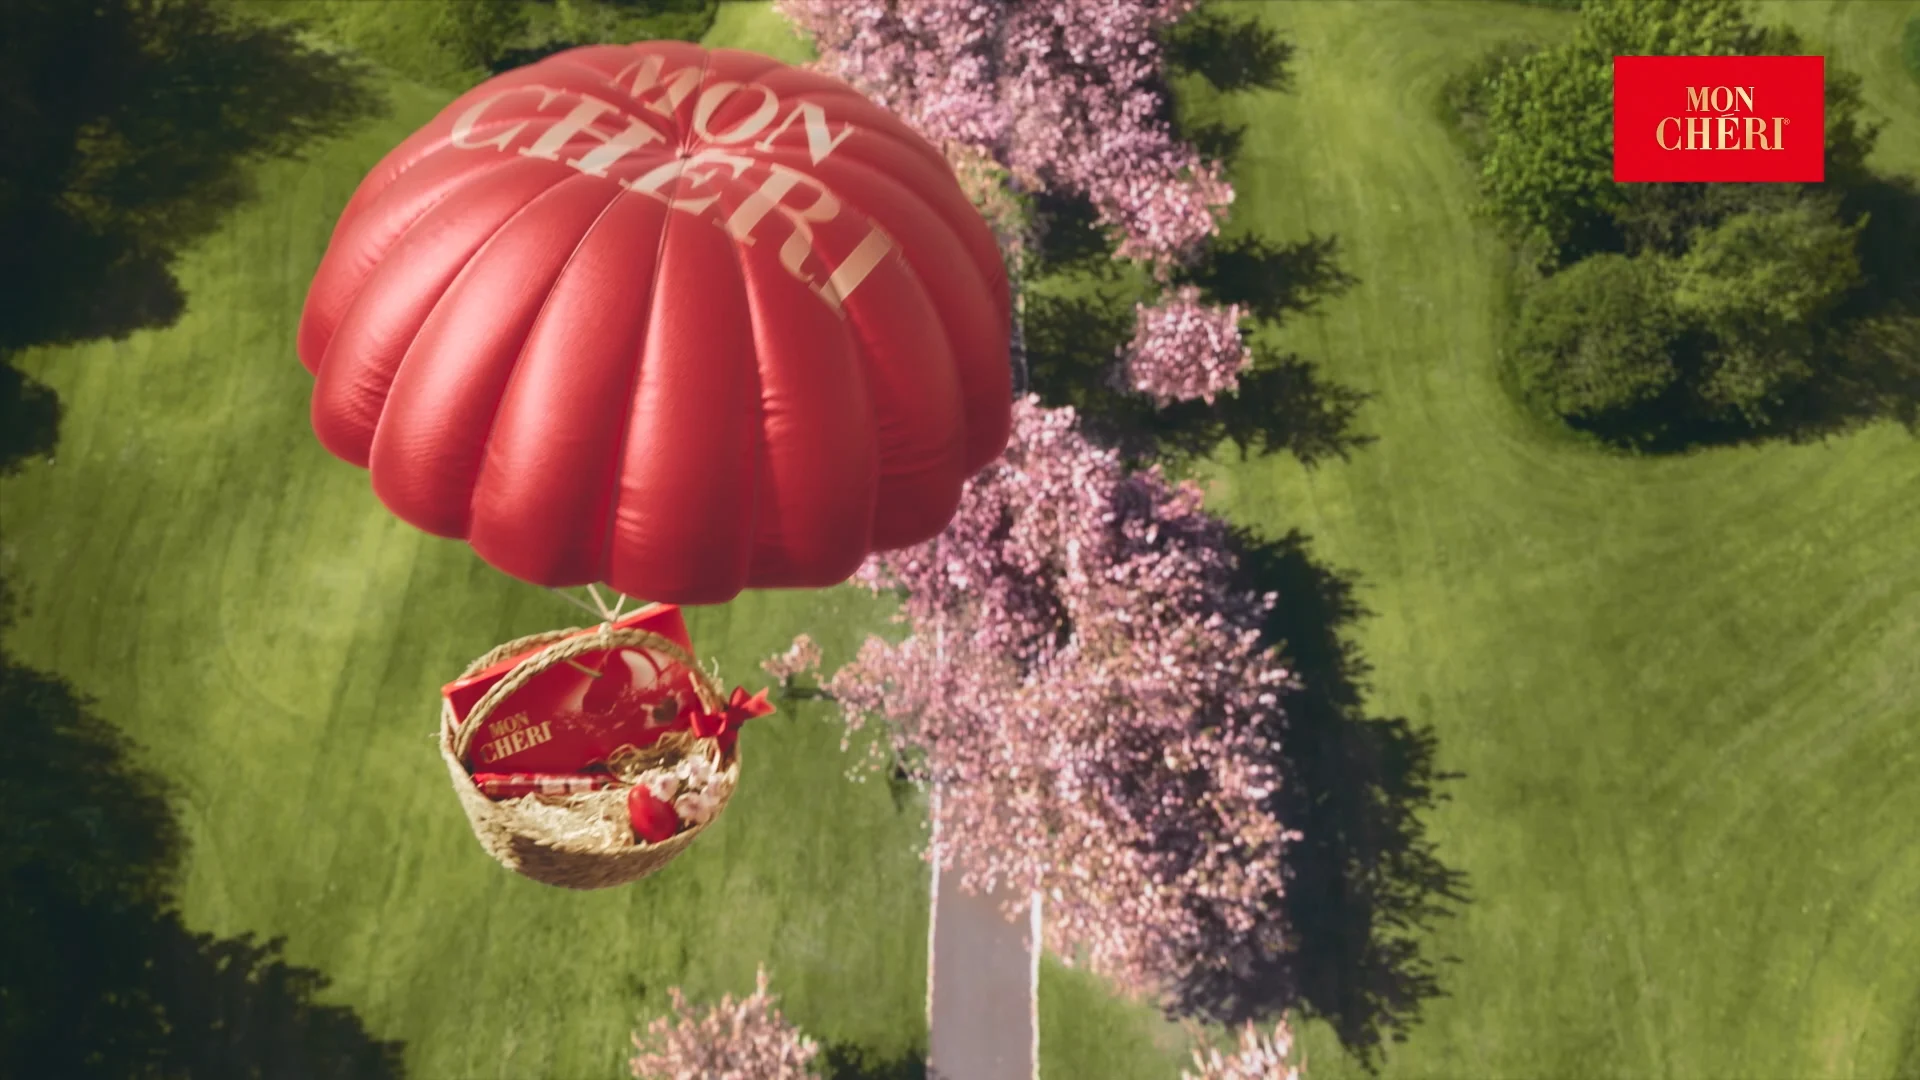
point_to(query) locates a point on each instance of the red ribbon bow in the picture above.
(724, 726)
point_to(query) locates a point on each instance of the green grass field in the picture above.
(1682, 692)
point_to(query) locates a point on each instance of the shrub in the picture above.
(1878, 372)
(1464, 95)
(1548, 167)
(1769, 267)
(1763, 283)
(476, 33)
(1597, 338)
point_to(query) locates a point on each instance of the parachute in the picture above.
(680, 321)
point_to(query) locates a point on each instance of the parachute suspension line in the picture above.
(599, 609)
(606, 613)
(576, 602)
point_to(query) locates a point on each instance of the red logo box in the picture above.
(572, 715)
(1720, 119)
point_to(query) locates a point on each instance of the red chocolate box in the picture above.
(572, 715)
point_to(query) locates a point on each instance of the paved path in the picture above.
(980, 988)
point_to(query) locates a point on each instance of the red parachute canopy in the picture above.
(679, 320)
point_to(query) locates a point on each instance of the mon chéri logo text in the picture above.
(1719, 119)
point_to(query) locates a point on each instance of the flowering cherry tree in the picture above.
(1085, 686)
(1183, 349)
(746, 1039)
(1262, 1055)
(1066, 96)
(801, 657)
(1083, 679)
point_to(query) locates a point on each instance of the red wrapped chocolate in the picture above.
(654, 819)
(515, 785)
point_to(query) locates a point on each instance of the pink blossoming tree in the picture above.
(1064, 94)
(1067, 96)
(1183, 349)
(1085, 686)
(1261, 1055)
(746, 1039)
(801, 657)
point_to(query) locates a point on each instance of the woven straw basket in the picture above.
(521, 833)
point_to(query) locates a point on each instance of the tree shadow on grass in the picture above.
(1068, 238)
(1076, 325)
(1283, 402)
(1876, 370)
(1073, 337)
(1231, 54)
(102, 978)
(1866, 365)
(29, 418)
(1366, 881)
(131, 129)
(846, 1061)
(1272, 281)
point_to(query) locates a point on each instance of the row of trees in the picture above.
(1669, 311)
(1086, 686)
(750, 1039)
(1084, 678)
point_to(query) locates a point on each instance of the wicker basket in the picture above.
(521, 833)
